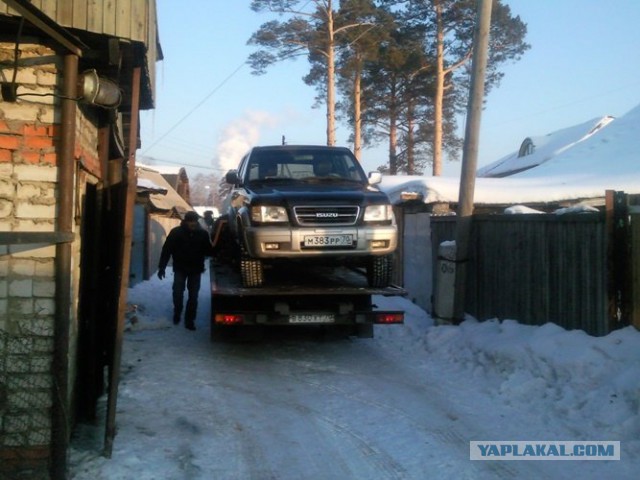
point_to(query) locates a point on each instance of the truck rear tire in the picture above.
(379, 271)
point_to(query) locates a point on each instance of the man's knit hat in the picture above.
(191, 217)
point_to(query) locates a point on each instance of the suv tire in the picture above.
(251, 270)
(379, 271)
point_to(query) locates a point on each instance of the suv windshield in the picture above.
(304, 165)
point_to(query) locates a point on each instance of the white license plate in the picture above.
(328, 240)
(311, 318)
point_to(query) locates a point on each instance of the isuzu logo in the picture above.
(326, 215)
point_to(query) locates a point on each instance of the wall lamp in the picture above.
(99, 90)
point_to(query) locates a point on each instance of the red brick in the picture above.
(38, 142)
(50, 158)
(32, 158)
(53, 130)
(34, 130)
(10, 142)
(5, 155)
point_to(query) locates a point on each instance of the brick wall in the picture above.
(29, 142)
(29, 138)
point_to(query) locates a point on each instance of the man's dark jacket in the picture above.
(188, 249)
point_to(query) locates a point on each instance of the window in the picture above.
(527, 148)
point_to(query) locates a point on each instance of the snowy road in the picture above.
(286, 409)
(297, 407)
(338, 410)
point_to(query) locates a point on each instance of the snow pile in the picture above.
(147, 308)
(521, 209)
(592, 383)
(136, 318)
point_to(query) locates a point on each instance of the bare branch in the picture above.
(459, 63)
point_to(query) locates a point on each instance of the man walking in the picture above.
(187, 244)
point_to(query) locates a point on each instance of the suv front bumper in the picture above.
(285, 242)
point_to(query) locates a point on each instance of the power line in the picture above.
(198, 105)
(181, 164)
(184, 146)
(564, 105)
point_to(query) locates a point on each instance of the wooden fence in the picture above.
(580, 271)
(535, 268)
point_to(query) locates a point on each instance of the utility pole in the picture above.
(470, 155)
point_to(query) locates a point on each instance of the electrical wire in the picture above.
(564, 105)
(198, 105)
(63, 97)
(181, 164)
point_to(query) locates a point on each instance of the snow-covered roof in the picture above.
(161, 195)
(147, 184)
(163, 169)
(609, 160)
(544, 148)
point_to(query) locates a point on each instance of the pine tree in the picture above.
(312, 32)
(448, 27)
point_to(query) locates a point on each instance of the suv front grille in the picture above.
(326, 215)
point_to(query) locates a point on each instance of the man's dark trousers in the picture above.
(192, 282)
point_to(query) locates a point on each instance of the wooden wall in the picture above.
(130, 19)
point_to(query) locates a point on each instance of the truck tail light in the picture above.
(389, 317)
(228, 319)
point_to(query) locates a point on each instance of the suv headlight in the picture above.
(378, 213)
(265, 214)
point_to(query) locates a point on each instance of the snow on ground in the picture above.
(590, 384)
(403, 405)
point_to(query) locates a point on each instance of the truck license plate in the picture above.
(311, 318)
(328, 240)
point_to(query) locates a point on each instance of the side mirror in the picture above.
(375, 178)
(232, 177)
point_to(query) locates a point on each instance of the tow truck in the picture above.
(334, 298)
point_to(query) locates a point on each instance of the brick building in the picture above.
(74, 76)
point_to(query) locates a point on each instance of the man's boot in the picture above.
(176, 317)
(190, 313)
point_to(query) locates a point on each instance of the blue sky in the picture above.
(583, 63)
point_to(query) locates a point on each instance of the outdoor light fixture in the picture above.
(99, 90)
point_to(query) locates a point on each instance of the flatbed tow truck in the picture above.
(332, 298)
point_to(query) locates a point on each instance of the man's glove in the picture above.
(161, 273)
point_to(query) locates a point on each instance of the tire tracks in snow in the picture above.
(442, 429)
